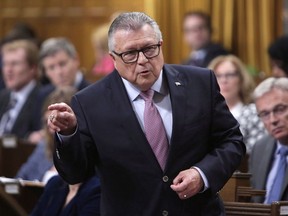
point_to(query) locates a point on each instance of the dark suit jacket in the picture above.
(85, 203)
(260, 164)
(212, 51)
(205, 135)
(25, 122)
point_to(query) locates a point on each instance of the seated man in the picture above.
(20, 59)
(197, 34)
(60, 62)
(268, 159)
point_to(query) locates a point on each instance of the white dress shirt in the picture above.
(161, 100)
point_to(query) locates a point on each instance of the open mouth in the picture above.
(144, 72)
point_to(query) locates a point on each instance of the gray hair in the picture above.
(268, 84)
(131, 21)
(53, 45)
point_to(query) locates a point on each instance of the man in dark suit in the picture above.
(197, 34)
(60, 62)
(271, 99)
(20, 59)
(109, 127)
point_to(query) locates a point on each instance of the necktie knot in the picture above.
(147, 95)
(12, 103)
(283, 151)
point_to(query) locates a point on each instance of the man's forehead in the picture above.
(272, 98)
(10, 54)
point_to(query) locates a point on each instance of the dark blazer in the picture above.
(85, 203)
(212, 51)
(205, 135)
(25, 123)
(260, 163)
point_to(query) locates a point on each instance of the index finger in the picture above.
(59, 107)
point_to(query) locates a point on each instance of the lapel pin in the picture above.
(177, 83)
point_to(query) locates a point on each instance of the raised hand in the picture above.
(61, 119)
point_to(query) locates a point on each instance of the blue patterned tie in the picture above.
(275, 192)
(4, 123)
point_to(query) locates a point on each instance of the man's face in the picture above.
(16, 71)
(144, 72)
(61, 68)
(272, 108)
(196, 33)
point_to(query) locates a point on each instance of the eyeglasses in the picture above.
(227, 76)
(132, 56)
(277, 111)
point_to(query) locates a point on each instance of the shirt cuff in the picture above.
(65, 138)
(206, 183)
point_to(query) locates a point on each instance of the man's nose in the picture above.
(142, 58)
(58, 69)
(273, 118)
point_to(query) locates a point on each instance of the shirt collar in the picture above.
(78, 79)
(24, 92)
(279, 146)
(236, 110)
(133, 92)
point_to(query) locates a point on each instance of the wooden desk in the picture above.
(278, 208)
(13, 153)
(228, 192)
(23, 193)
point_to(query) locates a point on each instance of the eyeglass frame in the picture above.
(227, 76)
(265, 115)
(138, 51)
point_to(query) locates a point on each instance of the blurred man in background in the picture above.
(18, 98)
(197, 34)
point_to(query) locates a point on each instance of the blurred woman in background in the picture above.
(236, 85)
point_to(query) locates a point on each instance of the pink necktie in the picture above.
(154, 129)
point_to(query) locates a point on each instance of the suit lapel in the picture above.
(5, 97)
(129, 120)
(265, 166)
(176, 85)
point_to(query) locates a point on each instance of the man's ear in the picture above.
(114, 60)
(113, 57)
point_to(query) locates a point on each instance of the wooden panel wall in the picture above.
(73, 19)
(246, 27)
